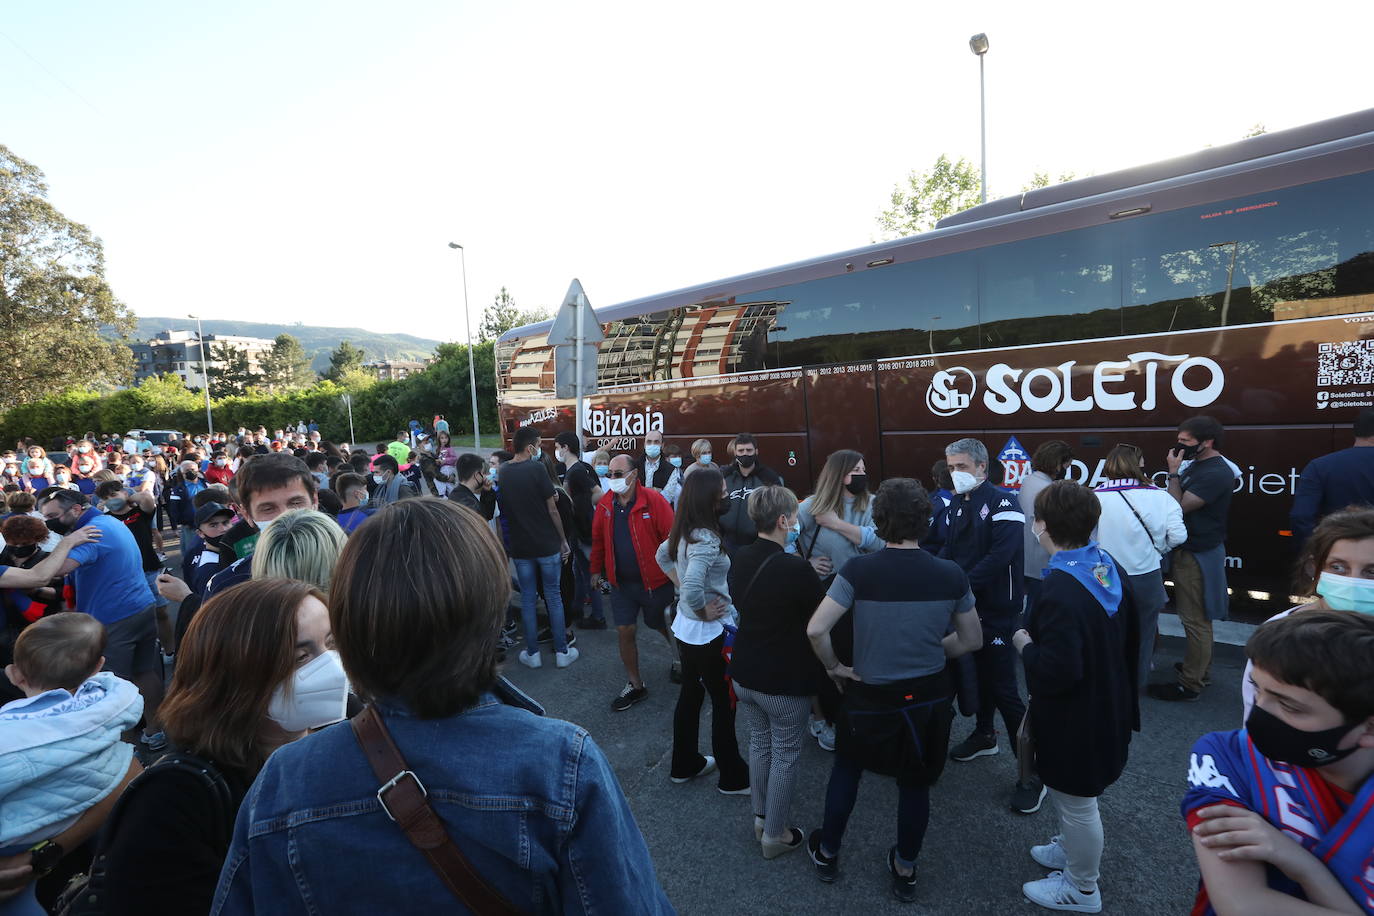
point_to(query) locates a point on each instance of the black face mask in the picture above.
(1189, 451)
(746, 461)
(1283, 743)
(57, 526)
(23, 553)
(857, 484)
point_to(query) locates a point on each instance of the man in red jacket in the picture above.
(629, 523)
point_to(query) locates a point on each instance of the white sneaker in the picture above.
(1051, 855)
(824, 733)
(564, 659)
(531, 659)
(708, 767)
(1055, 892)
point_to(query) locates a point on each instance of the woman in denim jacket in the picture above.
(694, 559)
(532, 803)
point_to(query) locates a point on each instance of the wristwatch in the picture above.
(43, 857)
(1175, 475)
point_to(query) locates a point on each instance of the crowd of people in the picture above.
(313, 696)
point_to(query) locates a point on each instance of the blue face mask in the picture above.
(793, 533)
(652, 451)
(602, 470)
(1346, 593)
(675, 461)
(705, 459)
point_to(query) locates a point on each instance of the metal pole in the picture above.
(983, 120)
(205, 374)
(472, 357)
(577, 364)
(348, 400)
(1230, 271)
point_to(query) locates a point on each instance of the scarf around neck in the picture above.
(1095, 568)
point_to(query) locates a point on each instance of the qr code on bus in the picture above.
(1348, 363)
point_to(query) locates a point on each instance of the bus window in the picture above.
(898, 310)
(1042, 290)
(1301, 252)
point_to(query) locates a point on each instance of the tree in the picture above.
(1256, 130)
(503, 314)
(286, 366)
(53, 296)
(1043, 180)
(927, 197)
(343, 359)
(230, 372)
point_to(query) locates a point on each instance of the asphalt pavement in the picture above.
(976, 853)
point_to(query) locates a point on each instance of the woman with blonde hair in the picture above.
(303, 545)
(836, 525)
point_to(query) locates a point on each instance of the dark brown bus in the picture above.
(1238, 282)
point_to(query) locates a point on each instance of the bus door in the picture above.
(842, 412)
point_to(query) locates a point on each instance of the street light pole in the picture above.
(205, 374)
(978, 44)
(472, 357)
(1230, 273)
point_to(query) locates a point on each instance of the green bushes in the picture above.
(379, 408)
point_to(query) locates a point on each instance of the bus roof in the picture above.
(1007, 208)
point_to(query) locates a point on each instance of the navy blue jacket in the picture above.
(985, 537)
(1332, 482)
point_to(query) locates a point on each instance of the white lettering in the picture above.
(604, 423)
(1041, 403)
(1191, 397)
(1273, 480)
(1104, 373)
(1070, 405)
(999, 398)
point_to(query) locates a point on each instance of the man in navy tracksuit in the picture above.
(986, 538)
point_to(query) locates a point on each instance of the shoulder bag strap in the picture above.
(757, 573)
(406, 802)
(1148, 533)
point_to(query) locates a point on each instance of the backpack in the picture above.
(84, 894)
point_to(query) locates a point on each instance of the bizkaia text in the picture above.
(603, 422)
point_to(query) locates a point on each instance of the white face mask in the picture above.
(378, 479)
(963, 481)
(319, 695)
(617, 484)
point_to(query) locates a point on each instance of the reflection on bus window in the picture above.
(1301, 252)
(1060, 287)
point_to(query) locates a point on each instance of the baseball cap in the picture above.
(211, 510)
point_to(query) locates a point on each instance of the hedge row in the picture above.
(379, 408)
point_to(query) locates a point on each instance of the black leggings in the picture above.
(703, 673)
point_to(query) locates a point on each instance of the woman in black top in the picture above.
(165, 842)
(1080, 652)
(774, 670)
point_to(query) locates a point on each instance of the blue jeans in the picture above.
(531, 572)
(582, 590)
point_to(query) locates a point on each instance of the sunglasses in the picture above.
(1133, 448)
(617, 475)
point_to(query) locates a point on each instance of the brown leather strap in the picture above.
(406, 802)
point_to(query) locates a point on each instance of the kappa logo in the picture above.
(1205, 773)
(997, 641)
(1004, 503)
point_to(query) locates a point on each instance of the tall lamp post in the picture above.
(472, 357)
(205, 374)
(978, 44)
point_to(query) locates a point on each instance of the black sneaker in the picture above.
(675, 673)
(1028, 796)
(903, 886)
(1173, 692)
(628, 697)
(1206, 678)
(975, 745)
(827, 867)
(593, 623)
(545, 637)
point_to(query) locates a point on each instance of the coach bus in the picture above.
(1236, 282)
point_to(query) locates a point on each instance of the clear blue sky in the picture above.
(309, 161)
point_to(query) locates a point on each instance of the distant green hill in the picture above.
(317, 341)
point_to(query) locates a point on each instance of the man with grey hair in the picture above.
(985, 537)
